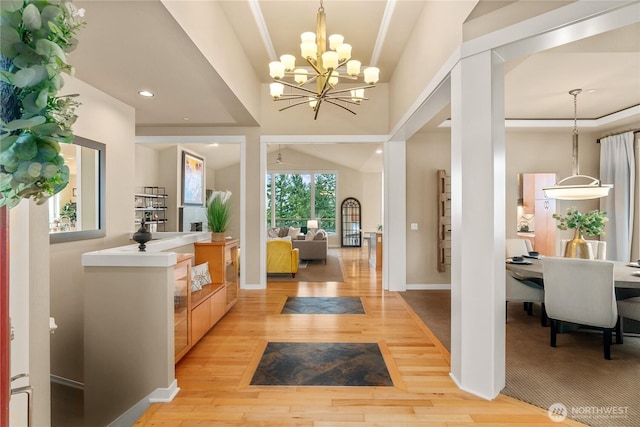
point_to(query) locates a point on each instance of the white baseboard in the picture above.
(428, 287)
(164, 395)
(253, 287)
(66, 382)
(131, 415)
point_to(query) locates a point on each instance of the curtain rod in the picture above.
(618, 133)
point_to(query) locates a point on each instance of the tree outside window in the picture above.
(292, 197)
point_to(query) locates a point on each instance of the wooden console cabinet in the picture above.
(195, 312)
(223, 266)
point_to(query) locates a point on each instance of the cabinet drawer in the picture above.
(200, 321)
(218, 305)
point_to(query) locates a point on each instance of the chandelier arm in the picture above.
(326, 89)
(314, 66)
(352, 88)
(293, 105)
(291, 97)
(317, 109)
(296, 87)
(345, 99)
(341, 106)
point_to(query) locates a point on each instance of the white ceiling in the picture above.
(132, 45)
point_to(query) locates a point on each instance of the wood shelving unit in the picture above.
(444, 221)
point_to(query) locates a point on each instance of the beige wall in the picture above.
(229, 179)
(527, 151)
(109, 121)
(147, 167)
(436, 35)
(426, 153)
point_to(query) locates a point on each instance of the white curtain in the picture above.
(617, 167)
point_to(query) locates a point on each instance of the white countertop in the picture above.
(156, 254)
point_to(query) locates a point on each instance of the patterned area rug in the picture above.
(322, 364)
(322, 305)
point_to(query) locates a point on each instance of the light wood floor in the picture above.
(214, 377)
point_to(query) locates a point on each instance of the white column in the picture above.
(478, 225)
(29, 310)
(394, 240)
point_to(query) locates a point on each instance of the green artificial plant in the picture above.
(590, 223)
(219, 211)
(35, 37)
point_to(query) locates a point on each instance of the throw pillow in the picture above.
(320, 235)
(273, 232)
(293, 232)
(284, 232)
(200, 276)
(310, 235)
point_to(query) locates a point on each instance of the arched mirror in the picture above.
(78, 211)
(351, 223)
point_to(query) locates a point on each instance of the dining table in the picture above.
(625, 276)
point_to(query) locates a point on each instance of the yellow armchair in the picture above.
(282, 257)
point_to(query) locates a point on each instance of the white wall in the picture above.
(109, 121)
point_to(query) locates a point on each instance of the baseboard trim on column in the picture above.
(132, 414)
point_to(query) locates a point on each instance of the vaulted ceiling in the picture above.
(132, 45)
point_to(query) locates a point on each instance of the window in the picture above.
(294, 198)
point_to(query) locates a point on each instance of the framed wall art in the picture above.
(192, 179)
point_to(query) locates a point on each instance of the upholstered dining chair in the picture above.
(628, 309)
(581, 291)
(521, 289)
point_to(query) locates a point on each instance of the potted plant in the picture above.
(36, 37)
(589, 223)
(218, 214)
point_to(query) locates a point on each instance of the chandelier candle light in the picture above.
(324, 64)
(593, 190)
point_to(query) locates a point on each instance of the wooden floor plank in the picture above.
(214, 377)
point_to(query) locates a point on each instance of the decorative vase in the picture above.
(578, 247)
(217, 237)
(142, 236)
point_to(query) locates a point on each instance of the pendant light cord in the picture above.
(576, 164)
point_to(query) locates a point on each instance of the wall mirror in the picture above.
(78, 212)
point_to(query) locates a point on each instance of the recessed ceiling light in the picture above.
(145, 93)
(591, 90)
(186, 119)
(215, 144)
(379, 151)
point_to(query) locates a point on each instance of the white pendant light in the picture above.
(594, 189)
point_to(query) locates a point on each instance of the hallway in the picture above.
(215, 376)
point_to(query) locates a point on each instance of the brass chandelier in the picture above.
(324, 71)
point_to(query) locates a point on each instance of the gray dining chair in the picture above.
(518, 289)
(628, 309)
(581, 291)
